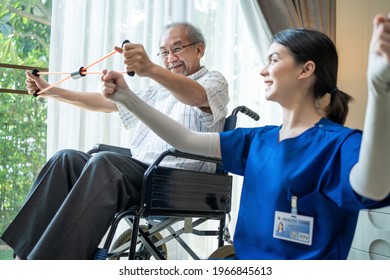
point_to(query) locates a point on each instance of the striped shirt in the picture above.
(147, 146)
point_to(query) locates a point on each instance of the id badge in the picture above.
(293, 228)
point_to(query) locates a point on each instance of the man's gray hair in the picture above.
(194, 34)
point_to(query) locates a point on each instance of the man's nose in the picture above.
(171, 56)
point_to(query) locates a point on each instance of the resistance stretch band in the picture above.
(81, 72)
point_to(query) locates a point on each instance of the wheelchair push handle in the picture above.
(246, 111)
(231, 121)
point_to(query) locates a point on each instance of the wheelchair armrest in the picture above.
(175, 153)
(109, 148)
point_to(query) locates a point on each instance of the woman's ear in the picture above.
(307, 69)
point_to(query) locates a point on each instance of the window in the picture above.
(24, 40)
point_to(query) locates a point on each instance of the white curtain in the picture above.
(85, 30)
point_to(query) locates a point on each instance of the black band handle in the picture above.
(35, 73)
(130, 73)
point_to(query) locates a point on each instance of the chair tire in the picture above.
(224, 252)
(126, 237)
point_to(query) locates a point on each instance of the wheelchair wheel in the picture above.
(141, 250)
(224, 252)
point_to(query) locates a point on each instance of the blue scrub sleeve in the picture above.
(234, 149)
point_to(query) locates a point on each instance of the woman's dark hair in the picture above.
(311, 45)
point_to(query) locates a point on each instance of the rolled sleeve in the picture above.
(217, 93)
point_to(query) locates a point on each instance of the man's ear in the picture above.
(200, 49)
(307, 69)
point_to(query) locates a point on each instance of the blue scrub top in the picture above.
(313, 166)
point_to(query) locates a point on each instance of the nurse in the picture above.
(309, 157)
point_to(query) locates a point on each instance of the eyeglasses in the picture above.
(175, 50)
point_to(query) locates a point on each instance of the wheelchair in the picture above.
(171, 197)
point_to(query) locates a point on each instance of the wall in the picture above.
(353, 34)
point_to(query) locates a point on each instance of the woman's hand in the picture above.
(115, 88)
(380, 41)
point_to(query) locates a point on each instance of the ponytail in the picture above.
(337, 110)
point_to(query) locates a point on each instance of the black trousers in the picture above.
(71, 204)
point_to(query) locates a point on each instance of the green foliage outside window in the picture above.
(24, 40)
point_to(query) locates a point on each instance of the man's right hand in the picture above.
(137, 60)
(35, 84)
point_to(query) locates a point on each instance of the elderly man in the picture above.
(75, 196)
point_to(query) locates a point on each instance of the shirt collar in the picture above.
(202, 71)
